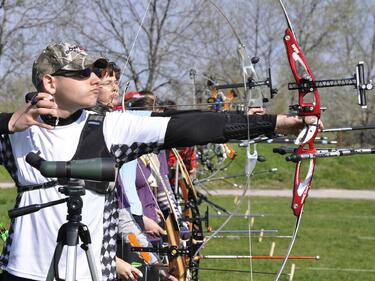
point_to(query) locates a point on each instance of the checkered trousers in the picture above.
(4, 257)
(110, 228)
(7, 158)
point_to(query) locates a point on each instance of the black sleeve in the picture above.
(4, 121)
(198, 128)
(171, 112)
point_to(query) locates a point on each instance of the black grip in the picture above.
(31, 97)
(13, 213)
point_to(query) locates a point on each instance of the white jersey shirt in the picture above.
(33, 240)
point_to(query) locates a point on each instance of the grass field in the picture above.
(355, 172)
(4, 176)
(342, 232)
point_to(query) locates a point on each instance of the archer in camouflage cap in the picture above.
(66, 56)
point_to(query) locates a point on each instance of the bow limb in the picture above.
(135, 39)
(177, 264)
(130, 53)
(301, 72)
(191, 213)
(254, 95)
(291, 244)
(256, 100)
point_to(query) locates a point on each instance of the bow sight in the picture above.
(250, 84)
(358, 81)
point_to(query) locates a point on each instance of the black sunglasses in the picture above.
(84, 73)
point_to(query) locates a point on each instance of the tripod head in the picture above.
(72, 189)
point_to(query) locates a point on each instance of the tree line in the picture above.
(158, 43)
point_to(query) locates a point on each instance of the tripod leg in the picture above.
(70, 236)
(55, 261)
(84, 234)
(71, 263)
(91, 262)
(67, 236)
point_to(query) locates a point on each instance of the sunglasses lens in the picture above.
(97, 71)
(86, 72)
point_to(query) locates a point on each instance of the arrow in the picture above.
(256, 257)
(345, 129)
(334, 153)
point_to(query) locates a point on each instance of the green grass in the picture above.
(4, 176)
(353, 172)
(7, 197)
(342, 232)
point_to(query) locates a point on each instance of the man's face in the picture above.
(76, 92)
(109, 91)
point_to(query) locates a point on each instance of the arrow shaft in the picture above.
(327, 154)
(236, 215)
(257, 257)
(285, 150)
(253, 237)
(235, 176)
(345, 129)
(239, 271)
(247, 231)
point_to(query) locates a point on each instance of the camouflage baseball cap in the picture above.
(65, 56)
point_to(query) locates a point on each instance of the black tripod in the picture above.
(69, 233)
